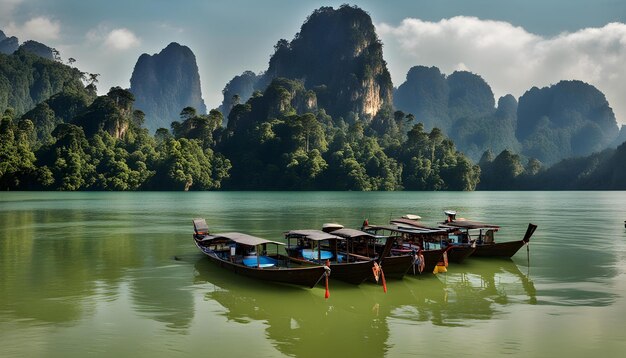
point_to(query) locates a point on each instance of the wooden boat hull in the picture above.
(353, 272)
(301, 276)
(504, 249)
(431, 258)
(500, 249)
(395, 267)
(458, 253)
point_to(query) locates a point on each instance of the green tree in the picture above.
(186, 166)
(67, 159)
(502, 172)
(16, 157)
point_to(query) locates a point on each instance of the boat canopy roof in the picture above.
(315, 235)
(408, 230)
(353, 233)
(240, 238)
(469, 224)
(406, 221)
(412, 224)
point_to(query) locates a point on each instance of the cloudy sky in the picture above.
(512, 44)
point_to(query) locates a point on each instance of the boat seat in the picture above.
(261, 261)
(200, 227)
(488, 237)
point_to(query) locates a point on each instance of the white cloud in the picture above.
(39, 28)
(121, 39)
(116, 39)
(509, 58)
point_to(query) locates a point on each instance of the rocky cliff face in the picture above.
(8, 45)
(165, 83)
(440, 101)
(338, 55)
(571, 118)
(425, 95)
(461, 105)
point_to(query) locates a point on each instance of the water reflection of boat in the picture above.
(478, 290)
(300, 323)
(297, 321)
(498, 281)
(316, 246)
(481, 235)
(247, 255)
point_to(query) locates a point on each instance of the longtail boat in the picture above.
(481, 235)
(247, 255)
(376, 247)
(318, 247)
(457, 251)
(422, 244)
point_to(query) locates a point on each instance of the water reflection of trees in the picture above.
(163, 295)
(57, 265)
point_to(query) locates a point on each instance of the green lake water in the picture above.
(118, 275)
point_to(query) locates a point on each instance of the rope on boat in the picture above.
(326, 275)
(377, 269)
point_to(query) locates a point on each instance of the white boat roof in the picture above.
(332, 225)
(411, 217)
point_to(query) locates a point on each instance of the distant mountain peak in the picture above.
(165, 83)
(8, 45)
(338, 55)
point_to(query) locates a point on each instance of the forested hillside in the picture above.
(27, 79)
(320, 118)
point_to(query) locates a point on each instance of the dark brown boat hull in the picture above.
(500, 249)
(300, 276)
(353, 272)
(395, 267)
(458, 253)
(504, 249)
(431, 258)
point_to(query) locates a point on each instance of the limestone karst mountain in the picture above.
(165, 83)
